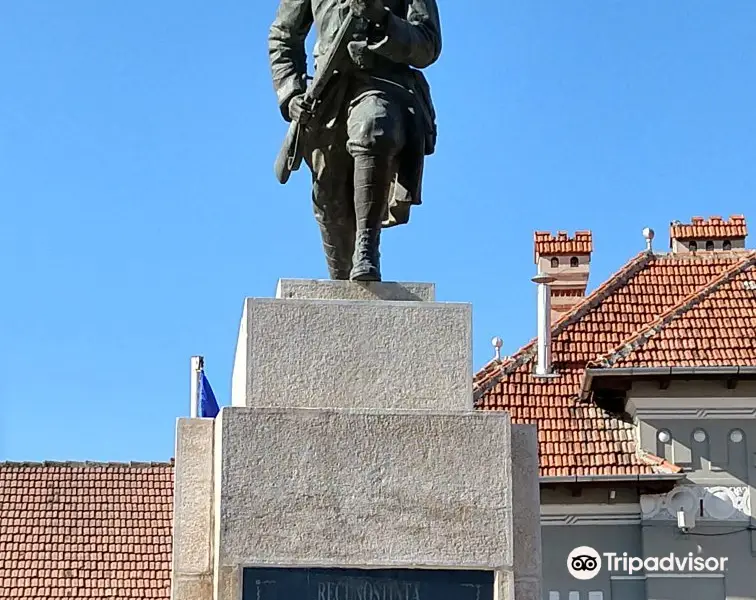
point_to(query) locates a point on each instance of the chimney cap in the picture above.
(561, 244)
(713, 228)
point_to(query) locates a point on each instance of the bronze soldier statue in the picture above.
(366, 120)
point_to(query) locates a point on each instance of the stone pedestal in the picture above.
(309, 289)
(351, 443)
(314, 353)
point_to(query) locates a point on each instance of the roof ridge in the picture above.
(481, 373)
(639, 337)
(86, 463)
(527, 352)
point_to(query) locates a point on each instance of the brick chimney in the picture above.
(712, 235)
(566, 259)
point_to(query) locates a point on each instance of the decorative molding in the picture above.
(572, 520)
(590, 514)
(693, 408)
(696, 413)
(719, 503)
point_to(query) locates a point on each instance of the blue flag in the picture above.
(208, 405)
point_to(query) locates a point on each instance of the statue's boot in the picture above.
(372, 181)
(338, 244)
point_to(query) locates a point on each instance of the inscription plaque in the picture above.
(282, 583)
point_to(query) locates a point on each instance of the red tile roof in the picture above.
(712, 229)
(577, 438)
(562, 244)
(714, 326)
(85, 530)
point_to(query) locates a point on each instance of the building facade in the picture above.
(646, 419)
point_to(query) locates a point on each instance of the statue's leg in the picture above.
(333, 205)
(376, 131)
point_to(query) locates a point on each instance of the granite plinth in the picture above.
(361, 488)
(192, 564)
(354, 353)
(325, 289)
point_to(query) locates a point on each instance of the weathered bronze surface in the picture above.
(366, 584)
(365, 122)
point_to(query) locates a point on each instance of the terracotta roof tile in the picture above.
(577, 438)
(714, 326)
(85, 530)
(714, 228)
(562, 243)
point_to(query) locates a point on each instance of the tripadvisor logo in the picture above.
(585, 563)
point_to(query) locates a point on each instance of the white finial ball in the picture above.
(648, 233)
(497, 342)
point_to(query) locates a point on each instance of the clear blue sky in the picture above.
(139, 205)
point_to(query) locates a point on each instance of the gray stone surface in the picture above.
(192, 588)
(193, 510)
(363, 488)
(227, 583)
(526, 513)
(504, 588)
(325, 289)
(341, 353)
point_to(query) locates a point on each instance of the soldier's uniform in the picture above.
(367, 151)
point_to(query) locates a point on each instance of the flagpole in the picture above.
(198, 364)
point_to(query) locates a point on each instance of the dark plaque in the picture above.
(366, 584)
